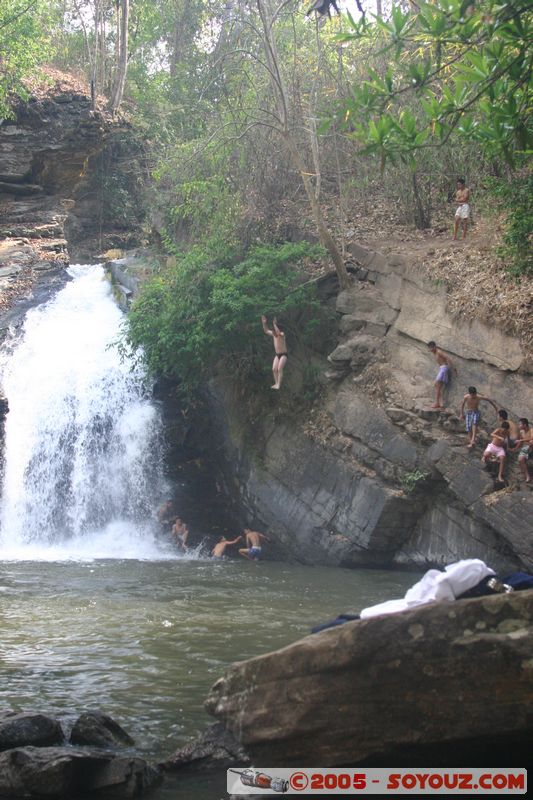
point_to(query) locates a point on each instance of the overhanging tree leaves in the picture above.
(467, 68)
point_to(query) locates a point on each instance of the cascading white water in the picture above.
(83, 457)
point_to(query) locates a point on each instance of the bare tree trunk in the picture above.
(122, 65)
(379, 8)
(280, 93)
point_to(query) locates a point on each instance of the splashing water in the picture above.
(83, 452)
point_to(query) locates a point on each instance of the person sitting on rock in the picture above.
(280, 349)
(525, 446)
(443, 375)
(472, 416)
(219, 550)
(496, 448)
(253, 550)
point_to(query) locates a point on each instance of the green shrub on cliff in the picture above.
(513, 197)
(203, 315)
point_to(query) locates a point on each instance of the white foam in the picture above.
(83, 451)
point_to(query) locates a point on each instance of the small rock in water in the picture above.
(97, 729)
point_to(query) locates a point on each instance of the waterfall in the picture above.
(83, 454)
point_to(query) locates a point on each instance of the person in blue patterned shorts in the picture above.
(472, 415)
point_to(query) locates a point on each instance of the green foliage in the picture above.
(515, 197)
(194, 195)
(24, 45)
(467, 67)
(203, 315)
(411, 480)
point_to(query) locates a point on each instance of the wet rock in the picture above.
(36, 772)
(26, 728)
(370, 689)
(98, 729)
(216, 748)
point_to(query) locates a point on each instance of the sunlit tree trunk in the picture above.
(122, 66)
(280, 93)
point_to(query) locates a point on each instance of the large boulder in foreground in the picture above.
(455, 678)
(66, 772)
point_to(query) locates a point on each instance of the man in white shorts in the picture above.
(462, 214)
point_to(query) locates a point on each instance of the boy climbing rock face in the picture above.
(443, 375)
(472, 416)
(525, 446)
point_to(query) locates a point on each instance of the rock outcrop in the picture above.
(380, 478)
(445, 684)
(37, 758)
(44, 152)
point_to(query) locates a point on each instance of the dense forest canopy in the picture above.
(245, 109)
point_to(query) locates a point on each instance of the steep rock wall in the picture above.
(391, 481)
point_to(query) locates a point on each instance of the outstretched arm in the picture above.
(234, 541)
(275, 326)
(266, 329)
(488, 400)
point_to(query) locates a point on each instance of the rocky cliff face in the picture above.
(44, 152)
(377, 477)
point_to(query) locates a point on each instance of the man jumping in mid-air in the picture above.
(280, 347)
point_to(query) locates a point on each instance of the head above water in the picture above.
(472, 390)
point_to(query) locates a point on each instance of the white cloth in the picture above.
(436, 586)
(463, 211)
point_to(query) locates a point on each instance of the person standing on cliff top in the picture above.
(462, 214)
(280, 349)
(443, 375)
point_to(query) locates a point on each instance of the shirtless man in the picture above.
(443, 375)
(514, 433)
(497, 447)
(180, 531)
(219, 549)
(462, 214)
(280, 348)
(525, 444)
(473, 415)
(252, 551)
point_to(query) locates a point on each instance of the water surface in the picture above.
(145, 640)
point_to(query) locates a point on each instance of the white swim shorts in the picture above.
(463, 211)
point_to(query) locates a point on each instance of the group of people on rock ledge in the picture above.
(507, 438)
(180, 533)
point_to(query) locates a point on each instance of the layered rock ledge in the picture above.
(40, 757)
(377, 477)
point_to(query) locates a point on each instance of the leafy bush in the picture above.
(515, 198)
(411, 480)
(24, 45)
(203, 315)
